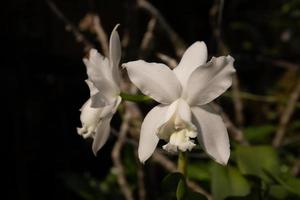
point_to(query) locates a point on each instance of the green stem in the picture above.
(182, 163)
(135, 97)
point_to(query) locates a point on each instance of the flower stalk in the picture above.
(182, 162)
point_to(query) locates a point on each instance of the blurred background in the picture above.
(43, 88)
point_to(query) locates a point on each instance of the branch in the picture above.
(216, 15)
(234, 131)
(175, 39)
(171, 62)
(237, 101)
(70, 27)
(101, 35)
(296, 168)
(286, 116)
(116, 156)
(279, 63)
(148, 36)
(92, 23)
(140, 177)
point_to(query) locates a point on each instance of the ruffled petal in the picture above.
(209, 81)
(155, 80)
(89, 118)
(148, 137)
(212, 133)
(194, 56)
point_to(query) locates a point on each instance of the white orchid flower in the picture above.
(104, 84)
(184, 94)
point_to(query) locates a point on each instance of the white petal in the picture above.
(99, 73)
(193, 57)
(98, 99)
(148, 137)
(102, 134)
(212, 133)
(209, 81)
(155, 80)
(97, 66)
(93, 89)
(177, 116)
(89, 116)
(103, 127)
(111, 108)
(184, 110)
(115, 54)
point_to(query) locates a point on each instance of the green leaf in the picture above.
(195, 196)
(278, 192)
(199, 171)
(175, 182)
(253, 160)
(291, 184)
(294, 184)
(181, 190)
(227, 181)
(256, 134)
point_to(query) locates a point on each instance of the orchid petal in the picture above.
(103, 127)
(90, 116)
(93, 89)
(194, 56)
(111, 108)
(184, 110)
(176, 117)
(98, 99)
(209, 81)
(115, 54)
(102, 134)
(148, 138)
(99, 73)
(212, 133)
(155, 80)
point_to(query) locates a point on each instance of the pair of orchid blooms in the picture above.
(184, 94)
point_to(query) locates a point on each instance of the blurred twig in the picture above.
(237, 101)
(140, 177)
(116, 156)
(170, 166)
(92, 23)
(101, 35)
(235, 132)
(175, 39)
(216, 14)
(70, 26)
(296, 168)
(261, 98)
(171, 62)
(286, 115)
(279, 63)
(148, 36)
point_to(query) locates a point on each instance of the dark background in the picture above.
(43, 87)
